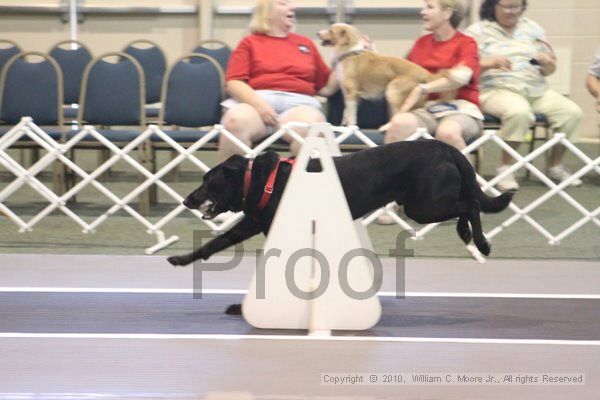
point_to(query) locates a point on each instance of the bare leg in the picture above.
(300, 114)
(507, 159)
(450, 132)
(556, 155)
(244, 122)
(401, 126)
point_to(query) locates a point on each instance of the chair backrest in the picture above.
(193, 92)
(31, 89)
(8, 48)
(153, 62)
(72, 62)
(216, 49)
(371, 113)
(112, 93)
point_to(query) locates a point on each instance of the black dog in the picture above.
(433, 180)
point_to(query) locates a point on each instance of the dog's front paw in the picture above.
(234, 309)
(178, 260)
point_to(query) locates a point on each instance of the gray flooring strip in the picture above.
(487, 318)
(421, 275)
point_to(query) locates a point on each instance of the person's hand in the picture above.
(502, 63)
(544, 59)
(268, 115)
(413, 98)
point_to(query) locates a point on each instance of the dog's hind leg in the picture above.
(478, 238)
(467, 210)
(463, 229)
(397, 91)
(234, 309)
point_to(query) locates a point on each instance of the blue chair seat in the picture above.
(373, 134)
(116, 135)
(540, 119)
(185, 136)
(491, 120)
(52, 132)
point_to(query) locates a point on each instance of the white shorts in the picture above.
(281, 101)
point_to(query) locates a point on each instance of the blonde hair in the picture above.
(260, 16)
(458, 11)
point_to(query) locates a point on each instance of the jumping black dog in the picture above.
(432, 180)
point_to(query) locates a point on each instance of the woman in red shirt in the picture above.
(456, 121)
(272, 76)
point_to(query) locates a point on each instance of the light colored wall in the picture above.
(573, 24)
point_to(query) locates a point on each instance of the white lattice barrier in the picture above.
(55, 151)
(519, 213)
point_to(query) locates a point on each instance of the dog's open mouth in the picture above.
(208, 209)
(326, 42)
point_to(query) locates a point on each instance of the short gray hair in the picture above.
(458, 11)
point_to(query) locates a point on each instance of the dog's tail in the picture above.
(470, 188)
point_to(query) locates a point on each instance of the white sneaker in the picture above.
(385, 218)
(560, 173)
(508, 182)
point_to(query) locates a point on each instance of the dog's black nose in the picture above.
(186, 203)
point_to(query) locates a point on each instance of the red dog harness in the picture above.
(266, 196)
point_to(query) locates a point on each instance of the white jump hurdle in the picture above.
(298, 284)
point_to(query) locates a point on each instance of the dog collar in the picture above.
(344, 56)
(266, 195)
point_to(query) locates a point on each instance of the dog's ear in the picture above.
(344, 38)
(234, 165)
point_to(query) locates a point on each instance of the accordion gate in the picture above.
(55, 151)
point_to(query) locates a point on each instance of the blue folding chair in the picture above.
(153, 62)
(113, 95)
(370, 116)
(193, 90)
(8, 48)
(33, 89)
(216, 49)
(73, 57)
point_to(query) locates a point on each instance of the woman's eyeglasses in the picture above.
(515, 9)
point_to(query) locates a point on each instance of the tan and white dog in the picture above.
(365, 74)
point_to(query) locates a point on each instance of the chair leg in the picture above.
(103, 156)
(35, 155)
(70, 176)
(144, 197)
(478, 159)
(59, 178)
(153, 189)
(531, 148)
(174, 173)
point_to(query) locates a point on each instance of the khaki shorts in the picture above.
(471, 127)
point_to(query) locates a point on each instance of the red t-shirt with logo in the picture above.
(290, 64)
(434, 56)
